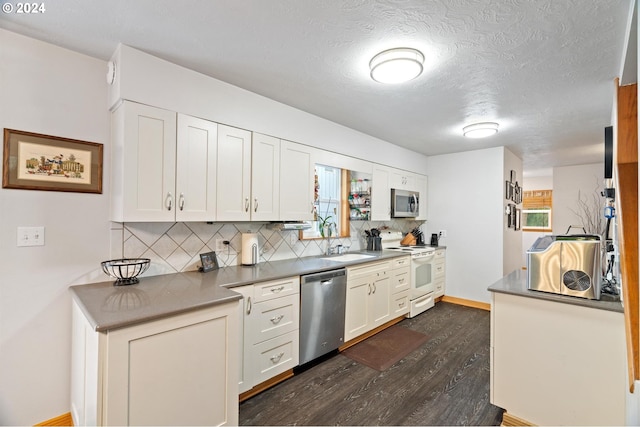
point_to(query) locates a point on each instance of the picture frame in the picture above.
(209, 262)
(511, 216)
(508, 190)
(517, 219)
(33, 161)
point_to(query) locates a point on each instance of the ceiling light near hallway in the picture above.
(480, 130)
(396, 65)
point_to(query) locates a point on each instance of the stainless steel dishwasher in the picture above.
(322, 307)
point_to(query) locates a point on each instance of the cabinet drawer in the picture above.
(275, 356)
(276, 288)
(440, 253)
(439, 286)
(379, 269)
(401, 262)
(400, 279)
(439, 269)
(274, 317)
(400, 304)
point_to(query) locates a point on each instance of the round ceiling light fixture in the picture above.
(480, 130)
(397, 65)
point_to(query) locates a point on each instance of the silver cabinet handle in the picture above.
(374, 288)
(255, 201)
(169, 201)
(181, 201)
(248, 305)
(276, 319)
(369, 285)
(246, 204)
(278, 289)
(276, 358)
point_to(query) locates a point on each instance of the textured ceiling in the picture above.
(543, 69)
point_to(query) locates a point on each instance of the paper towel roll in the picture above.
(250, 250)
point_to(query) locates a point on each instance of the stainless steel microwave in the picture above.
(404, 203)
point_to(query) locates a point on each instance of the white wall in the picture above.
(512, 238)
(466, 193)
(45, 89)
(567, 182)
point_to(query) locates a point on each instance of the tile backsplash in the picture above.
(176, 246)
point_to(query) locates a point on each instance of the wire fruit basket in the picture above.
(126, 270)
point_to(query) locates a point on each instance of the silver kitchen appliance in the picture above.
(404, 203)
(322, 310)
(566, 265)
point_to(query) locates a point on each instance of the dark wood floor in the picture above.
(444, 382)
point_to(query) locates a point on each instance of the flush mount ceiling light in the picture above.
(397, 65)
(480, 130)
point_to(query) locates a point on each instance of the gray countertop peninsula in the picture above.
(515, 283)
(109, 307)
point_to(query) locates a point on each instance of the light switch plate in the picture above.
(30, 236)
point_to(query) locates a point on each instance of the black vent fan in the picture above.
(576, 280)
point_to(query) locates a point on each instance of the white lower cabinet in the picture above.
(439, 274)
(179, 370)
(270, 323)
(368, 298)
(400, 284)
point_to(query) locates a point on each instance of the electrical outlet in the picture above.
(30, 236)
(293, 238)
(220, 246)
(443, 233)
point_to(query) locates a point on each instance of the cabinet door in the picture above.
(233, 174)
(297, 175)
(380, 194)
(245, 380)
(421, 186)
(265, 178)
(380, 300)
(356, 313)
(402, 180)
(168, 372)
(144, 163)
(196, 169)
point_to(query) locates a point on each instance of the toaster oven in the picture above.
(566, 265)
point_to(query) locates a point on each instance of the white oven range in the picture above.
(422, 272)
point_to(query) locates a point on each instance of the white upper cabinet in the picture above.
(143, 186)
(233, 174)
(265, 178)
(196, 169)
(163, 165)
(381, 194)
(402, 180)
(297, 174)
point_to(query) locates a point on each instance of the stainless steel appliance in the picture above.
(322, 310)
(404, 203)
(566, 265)
(422, 288)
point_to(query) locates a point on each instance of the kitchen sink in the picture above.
(349, 257)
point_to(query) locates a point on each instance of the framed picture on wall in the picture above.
(508, 190)
(517, 220)
(33, 161)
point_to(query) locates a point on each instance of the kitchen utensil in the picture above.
(125, 270)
